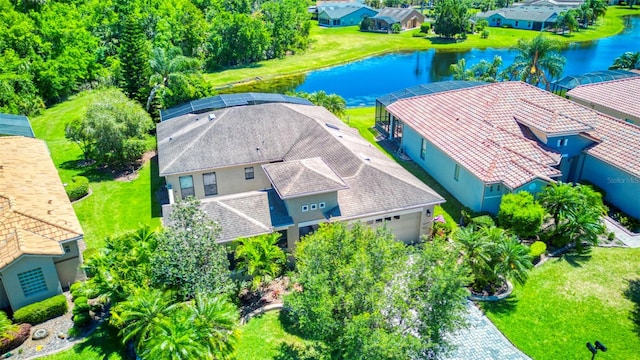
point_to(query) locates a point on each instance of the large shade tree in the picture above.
(368, 296)
(537, 61)
(170, 71)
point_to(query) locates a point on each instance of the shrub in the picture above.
(425, 27)
(366, 24)
(81, 320)
(78, 187)
(611, 236)
(42, 311)
(521, 214)
(16, 339)
(481, 24)
(484, 34)
(418, 35)
(396, 28)
(81, 316)
(482, 221)
(537, 248)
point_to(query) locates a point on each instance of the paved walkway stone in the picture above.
(627, 238)
(482, 340)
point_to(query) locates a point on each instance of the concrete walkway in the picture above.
(482, 340)
(629, 239)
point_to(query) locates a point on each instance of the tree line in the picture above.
(49, 50)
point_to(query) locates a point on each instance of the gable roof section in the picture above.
(303, 177)
(458, 122)
(613, 95)
(35, 212)
(15, 125)
(340, 10)
(397, 14)
(525, 13)
(548, 121)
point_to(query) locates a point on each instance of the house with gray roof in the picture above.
(408, 18)
(287, 167)
(343, 13)
(523, 17)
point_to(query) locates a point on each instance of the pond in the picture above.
(361, 82)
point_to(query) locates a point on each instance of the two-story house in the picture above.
(287, 167)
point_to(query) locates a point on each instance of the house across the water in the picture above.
(285, 167)
(343, 13)
(523, 17)
(408, 18)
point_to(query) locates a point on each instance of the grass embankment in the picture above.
(574, 300)
(113, 207)
(363, 120)
(334, 46)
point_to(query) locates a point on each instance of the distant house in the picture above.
(561, 86)
(40, 236)
(287, 167)
(484, 141)
(343, 13)
(611, 98)
(408, 18)
(523, 17)
(560, 3)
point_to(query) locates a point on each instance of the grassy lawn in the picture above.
(333, 46)
(363, 119)
(264, 337)
(114, 206)
(103, 344)
(571, 301)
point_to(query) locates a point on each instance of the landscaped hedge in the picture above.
(78, 187)
(42, 311)
(17, 338)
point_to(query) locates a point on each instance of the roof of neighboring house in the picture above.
(397, 14)
(15, 125)
(35, 212)
(611, 94)
(340, 10)
(228, 100)
(565, 3)
(571, 81)
(303, 177)
(525, 13)
(424, 89)
(483, 128)
(301, 135)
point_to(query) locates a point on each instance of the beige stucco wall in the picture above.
(294, 206)
(409, 228)
(605, 110)
(68, 265)
(230, 181)
(25, 263)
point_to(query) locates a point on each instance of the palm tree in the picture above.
(628, 60)
(534, 58)
(512, 259)
(599, 8)
(215, 321)
(584, 226)
(459, 70)
(476, 251)
(169, 71)
(335, 104)
(487, 71)
(260, 257)
(175, 339)
(141, 315)
(586, 13)
(560, 200)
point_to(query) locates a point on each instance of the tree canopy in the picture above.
(451, 18)
(368, 296)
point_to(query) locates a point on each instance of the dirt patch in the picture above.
(271, 294)
(132, 173)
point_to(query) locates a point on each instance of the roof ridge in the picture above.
(46, 222)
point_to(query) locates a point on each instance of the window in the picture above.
(456, 173)
(210, 184)
(562, 142)
(423, 149)
(314, 206)
(248, 173)
(321, 205)
(32, 282)
(305, 208)
(396, 217)
(387, 218)
(516, 23)
(67, 249)
(186, 186)
(498, 187)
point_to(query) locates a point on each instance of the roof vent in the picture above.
(331, 126)
(212, 116)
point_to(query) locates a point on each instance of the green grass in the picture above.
(363, 119)
(574, 300)
(114, 206)
(103, 344)
(334, 46)
(264, 337)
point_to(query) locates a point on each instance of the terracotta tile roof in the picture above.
(35, 212)
(481, 128)
(611, 94)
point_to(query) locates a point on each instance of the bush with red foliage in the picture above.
(16, 340)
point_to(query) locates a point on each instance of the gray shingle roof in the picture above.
(525, 13)
(339, 10)
(15, 125)
(395, 14)
(292, 133)
(303, 177)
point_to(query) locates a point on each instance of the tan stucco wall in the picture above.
(12, 284)
(605, 110)
(68, 265)
(294, 206)
(230, 181)
(411, 226)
